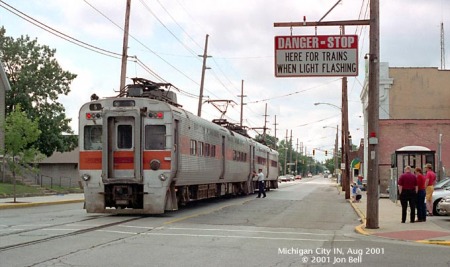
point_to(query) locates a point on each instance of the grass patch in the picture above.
(7, 190)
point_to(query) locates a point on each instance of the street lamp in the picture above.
(344, 145)
(329, 104)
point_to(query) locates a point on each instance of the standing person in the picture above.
(407, 187)
(261, 185)
(421, 206)
(430, 181)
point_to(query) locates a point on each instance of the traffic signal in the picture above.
(326, 153)
(314, 152)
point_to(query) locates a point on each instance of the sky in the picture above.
(167, 37)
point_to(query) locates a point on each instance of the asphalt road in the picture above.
(303, 223)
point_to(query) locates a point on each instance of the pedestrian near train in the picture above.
(261, 185)
(430, 180)
(407, 187)
(421, 206)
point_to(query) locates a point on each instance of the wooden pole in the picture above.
(200, 97)
(123, 69)
(373, 178)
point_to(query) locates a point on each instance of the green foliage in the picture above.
(7, 190)
(20, 134)
(36, 81)
(270, 141)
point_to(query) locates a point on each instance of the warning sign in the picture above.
(316, 55)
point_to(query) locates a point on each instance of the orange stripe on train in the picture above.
(123, 160)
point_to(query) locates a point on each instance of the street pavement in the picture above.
(389, 218)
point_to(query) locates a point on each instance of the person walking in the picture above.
(261, 185)
(430, 181)
(407, 187)
(421, 205)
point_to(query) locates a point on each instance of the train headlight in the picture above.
(162, 177)
(155, 164)
(85, 177)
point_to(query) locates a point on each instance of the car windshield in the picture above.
(443, 183)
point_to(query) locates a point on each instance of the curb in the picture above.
(12, 205)
(360, 228)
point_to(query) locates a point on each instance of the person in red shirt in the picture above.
(429, 183)
(407, 187)
(421, 206)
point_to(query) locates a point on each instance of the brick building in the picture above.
(414, 108)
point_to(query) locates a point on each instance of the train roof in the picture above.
(144, 88)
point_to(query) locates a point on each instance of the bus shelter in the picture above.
(414, 156)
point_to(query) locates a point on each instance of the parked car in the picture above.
(298, 177)
(443, 206)
(310, 175)
(285, 178)
(442, 183)
(438, 195)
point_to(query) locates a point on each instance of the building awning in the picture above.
(413, 148)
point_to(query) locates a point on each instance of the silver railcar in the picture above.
(141, 153)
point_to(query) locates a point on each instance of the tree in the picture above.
(270, 141)
(20, 134)
(36, 82)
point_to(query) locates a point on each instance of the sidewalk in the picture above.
(390, 226)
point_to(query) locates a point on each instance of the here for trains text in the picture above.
(312, 62)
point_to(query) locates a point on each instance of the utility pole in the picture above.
(296, 156)
(336, 149)
(373, 178)
(290, 152)
(275, 125)
(285, 152)
(345, 147)
(265, 124)
(242, 101)
(200, 97)
(123, 69)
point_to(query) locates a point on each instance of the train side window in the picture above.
(155, 137)
(124, 136)
(93, 137)
(193, 147)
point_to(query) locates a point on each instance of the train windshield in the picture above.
(155, 137)
(93, 137)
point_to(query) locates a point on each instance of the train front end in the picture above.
(125, 159)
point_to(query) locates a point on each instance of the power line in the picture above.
(293, 93)
(58, 33)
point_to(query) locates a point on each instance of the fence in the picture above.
(61, 181)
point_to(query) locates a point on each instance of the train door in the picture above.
(176, 157)
(222, 172)
(251, 186)
(123, 147)
(252, 159)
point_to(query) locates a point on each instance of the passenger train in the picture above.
(142, 153)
